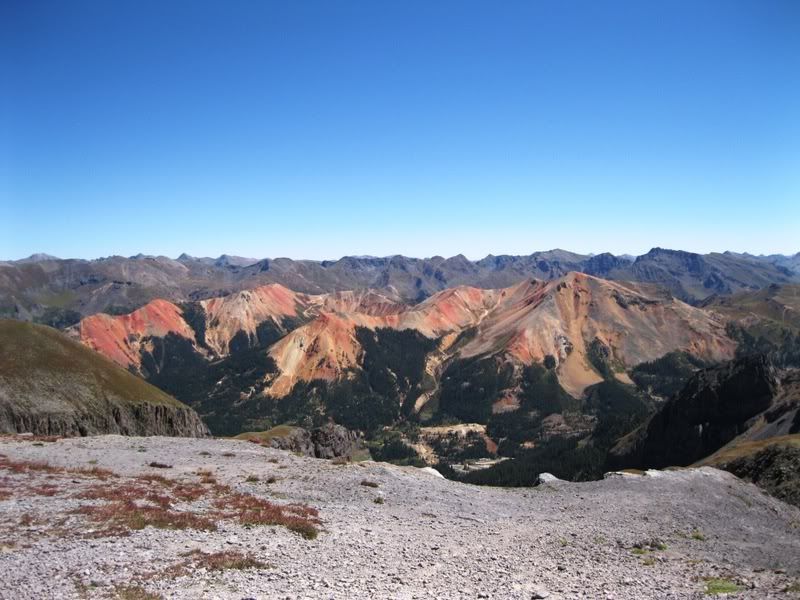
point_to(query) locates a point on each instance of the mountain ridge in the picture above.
(60, 291)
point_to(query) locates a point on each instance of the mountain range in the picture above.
(58, 292)
(578, 325)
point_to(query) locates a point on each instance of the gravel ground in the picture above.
(425, 538)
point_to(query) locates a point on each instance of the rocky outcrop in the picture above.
(142, 420)
(328, 441)
(775, 468)
(711, 410)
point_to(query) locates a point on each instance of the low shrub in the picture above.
(124, 515)
(250, 510)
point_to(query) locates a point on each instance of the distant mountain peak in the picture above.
(38, 257)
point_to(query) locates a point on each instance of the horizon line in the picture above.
(34, 257)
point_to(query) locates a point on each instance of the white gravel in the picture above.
(430, 538)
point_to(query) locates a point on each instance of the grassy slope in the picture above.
(266, 436)
(39, 365)
(740, 449)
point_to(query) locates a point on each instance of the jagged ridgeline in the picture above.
(52, 385)
(59, 292)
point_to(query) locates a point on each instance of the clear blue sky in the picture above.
(318, 129)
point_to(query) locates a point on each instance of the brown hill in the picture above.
(51, 385)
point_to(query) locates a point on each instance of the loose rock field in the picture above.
(90, 518)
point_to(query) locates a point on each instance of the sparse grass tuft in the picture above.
(46, 489)
(96, 472)
(715, 586)
(188, 492)
(379, 500)
(252, 479)
(126, 492)
(134, 592)
(27, 467)
(223, 561)
(152, 478)
(698, 535)
(646, 546)
(23, 466)
(793, 588)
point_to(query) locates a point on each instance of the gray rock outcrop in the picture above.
(329, 441)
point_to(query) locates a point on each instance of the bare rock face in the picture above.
(328, 441)
(712, 409)
(333, 440)
(139, 420)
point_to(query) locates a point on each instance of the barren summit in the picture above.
(385, 531)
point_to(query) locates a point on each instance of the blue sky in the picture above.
(319, 129)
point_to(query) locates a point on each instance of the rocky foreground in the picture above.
(144, 518)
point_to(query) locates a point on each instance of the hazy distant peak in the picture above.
(37, 257)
